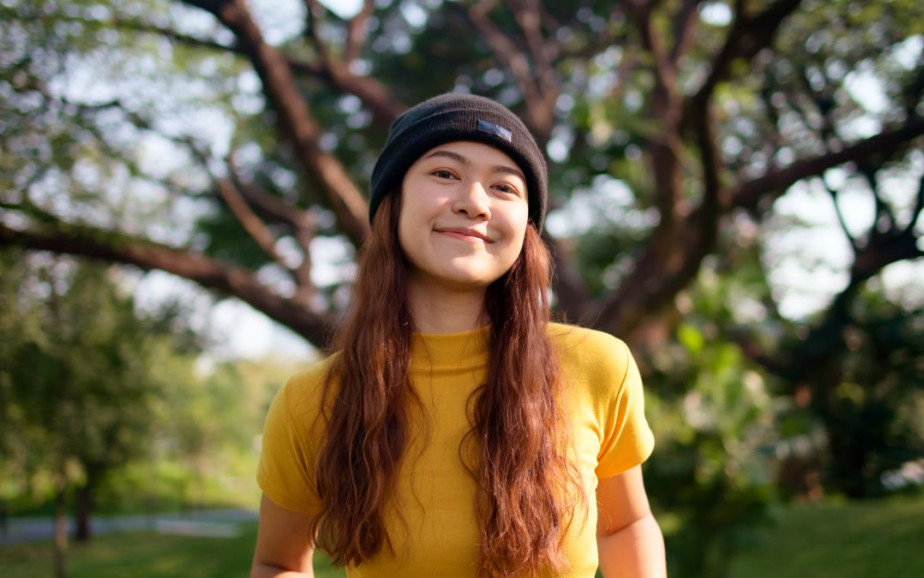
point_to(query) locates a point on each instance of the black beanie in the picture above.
(459, 117)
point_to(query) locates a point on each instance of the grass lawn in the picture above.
(847, 540)
(145, 555)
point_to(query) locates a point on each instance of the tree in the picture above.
(705, 110)
(843, 348)
(77, 384)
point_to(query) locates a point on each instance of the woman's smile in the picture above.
(470, 235)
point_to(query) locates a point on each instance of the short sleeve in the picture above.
(627, 439)
(286, 470)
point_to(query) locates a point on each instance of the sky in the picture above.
(343, 8)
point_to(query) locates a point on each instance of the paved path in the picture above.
(217, 523)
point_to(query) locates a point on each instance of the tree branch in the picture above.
(375, 95)
(539, 108)
(301, 222)
(122, 23)
(528, 14)
(255, 227)
(570, 292)
(206, 272)
(305, 289)
(505, 50)
(665, 149)
(28, 208)
(882, 250)
(824, 102)
(663, 67)
(715, 202)
(228, 191)
(369, 90)
(918, 211)
(840, 215)
(656, 278)
(884, 214)
(750, 346)
(750, 193)
(295, 120)
(356, 32)
(684, 25)
(313, 8)
(272, 205)
(593, 46)
(747, 37)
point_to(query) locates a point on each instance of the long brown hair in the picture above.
(527, 489)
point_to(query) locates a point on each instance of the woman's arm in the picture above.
(629, 539)
(284, 549)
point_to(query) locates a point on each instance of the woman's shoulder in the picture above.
(303, 390)
(576, 340)
(589, 354)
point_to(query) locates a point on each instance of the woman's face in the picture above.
(464, 212)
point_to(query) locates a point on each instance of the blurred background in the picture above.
(737, 190)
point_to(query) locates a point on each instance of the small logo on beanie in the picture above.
(491, 128)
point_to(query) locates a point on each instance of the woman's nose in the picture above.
(473, 200)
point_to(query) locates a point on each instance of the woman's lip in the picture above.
(465, 234)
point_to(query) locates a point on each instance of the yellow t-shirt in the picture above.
(435, 493)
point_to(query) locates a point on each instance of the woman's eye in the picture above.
(443, 174)
(505, 188)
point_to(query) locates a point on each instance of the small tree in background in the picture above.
(78, 381)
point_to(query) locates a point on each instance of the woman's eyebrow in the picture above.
(449, 154)
(505, 169)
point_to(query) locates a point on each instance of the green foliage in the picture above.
(713, 416)
(207, 431)
(77, 374)
(875, 410)
(91, 387)
(852, 410)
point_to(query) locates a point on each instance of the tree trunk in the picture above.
(83, 508)
(60, 536)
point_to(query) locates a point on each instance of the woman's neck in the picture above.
(439, 309)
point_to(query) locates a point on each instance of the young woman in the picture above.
(456, 431)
